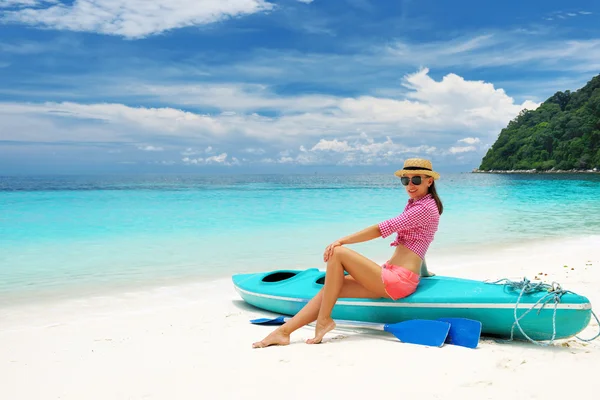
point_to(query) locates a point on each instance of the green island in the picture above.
(561, 135)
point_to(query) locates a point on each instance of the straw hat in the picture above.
(417, 166)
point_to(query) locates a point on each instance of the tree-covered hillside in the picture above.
(562, 134)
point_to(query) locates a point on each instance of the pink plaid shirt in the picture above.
(416, 226)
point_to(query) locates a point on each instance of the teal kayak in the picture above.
(541, 316)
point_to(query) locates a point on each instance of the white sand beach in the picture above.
(194, 342)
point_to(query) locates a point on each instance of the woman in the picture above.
(397, 278)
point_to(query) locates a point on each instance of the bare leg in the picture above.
(309, 313)
(334, 279)
(366, 272)
(281, 335)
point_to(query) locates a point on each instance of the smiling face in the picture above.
(415, 189)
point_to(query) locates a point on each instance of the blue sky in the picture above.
(275, 86)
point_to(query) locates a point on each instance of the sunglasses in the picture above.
(416, 180)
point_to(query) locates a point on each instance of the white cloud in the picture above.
(25, 3)
(132, 18)
(463, 149)
(188, 160)
(470, 140)
(286, 160)
(363, 150)
(306, 1)
(433, 115)
(148, 121)
(220, 159)
(332, 145)
(25, 47)
(232, 97)
(217, 159)
(190, 151)
(452, 102)
(150, 148)
(252, 150)
(494, 50)
(564, 15)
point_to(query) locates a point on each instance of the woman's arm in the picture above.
(370, 233)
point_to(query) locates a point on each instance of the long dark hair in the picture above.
(436, 198)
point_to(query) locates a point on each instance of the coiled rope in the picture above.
(555, 292)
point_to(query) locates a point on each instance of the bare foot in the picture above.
(321, 329)
(277, 337)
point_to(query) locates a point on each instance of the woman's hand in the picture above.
(329, 250)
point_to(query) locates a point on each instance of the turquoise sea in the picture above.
(61, 235)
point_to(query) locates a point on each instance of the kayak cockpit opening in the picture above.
(279, 276)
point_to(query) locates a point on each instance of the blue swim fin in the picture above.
(420, 331)
(270, 321)
(463, 332)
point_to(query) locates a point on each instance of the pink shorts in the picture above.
(398, 281)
